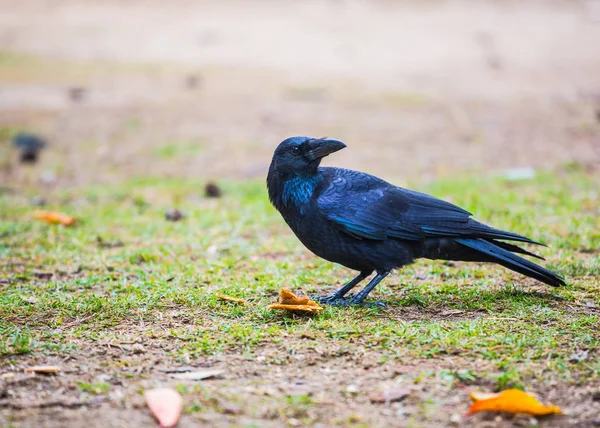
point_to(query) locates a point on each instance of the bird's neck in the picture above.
(291, 193)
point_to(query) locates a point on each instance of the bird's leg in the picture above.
(360, 297)
(338, 296)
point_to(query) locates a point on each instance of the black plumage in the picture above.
(369, 225)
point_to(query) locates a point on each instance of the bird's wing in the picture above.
(367, 207)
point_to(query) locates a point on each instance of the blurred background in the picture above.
(417, 89)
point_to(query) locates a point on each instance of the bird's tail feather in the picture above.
(500, 252)
(514, 248)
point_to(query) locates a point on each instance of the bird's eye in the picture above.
(295, 150)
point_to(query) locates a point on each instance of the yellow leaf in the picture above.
(229, 298)
(511, 401)
(55, 218)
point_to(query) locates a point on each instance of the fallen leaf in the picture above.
(301, 308)
(42, 369)
(175, 369)
(206, 374)
(390, 395)
(480, 395)
(230, 299)
(55, 218)
(29, 299)
(165, 404)
(511, 401)
(290, 302)
(578, 357)
(286, 297)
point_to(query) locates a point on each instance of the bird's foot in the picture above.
(334, 300)
(348, 300)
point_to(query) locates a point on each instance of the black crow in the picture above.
(369, 225)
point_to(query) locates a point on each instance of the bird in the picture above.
(368, 225)
(29, 146)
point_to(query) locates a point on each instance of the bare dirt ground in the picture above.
(415, 89)
(418, 90)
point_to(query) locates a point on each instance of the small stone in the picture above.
(192, 81)
(106, 378)
(212, 190)
(173, 215)
(456, 419)
(76, 93)
(38, 201)
(390, 395)
(48, 177)
(352, 389)
(138, 348)
(231, 409)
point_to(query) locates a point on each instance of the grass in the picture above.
(125, 272)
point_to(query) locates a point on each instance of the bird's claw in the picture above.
(333, 300)
(349, 300)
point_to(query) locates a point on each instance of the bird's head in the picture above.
(301, 156)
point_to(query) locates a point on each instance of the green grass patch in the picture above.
(125, 266)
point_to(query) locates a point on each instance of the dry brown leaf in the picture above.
(229, 298)
(42, 369)
(511, 401)
(165, 404)
(205, 374)
(290, 302)
(55, 218)
(29, 299)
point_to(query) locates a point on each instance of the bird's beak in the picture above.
(321, 147)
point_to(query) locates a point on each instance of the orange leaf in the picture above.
(55, 218)
(165, 404)
(301, 308)
(286, 297)
(511, 401)
(290, 302)
(229, 298)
